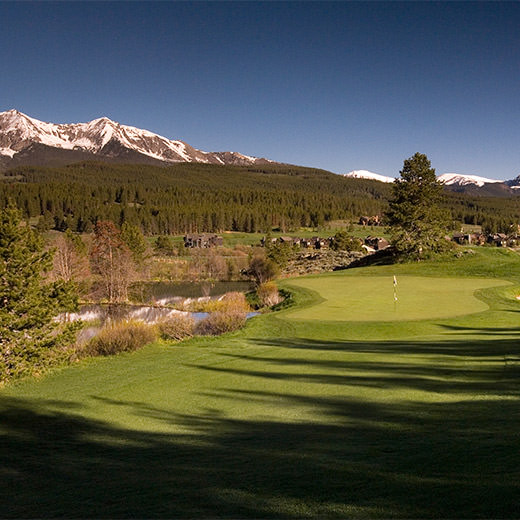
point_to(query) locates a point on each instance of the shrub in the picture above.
(268, 294)
(229, 301)
(176, 327)
(234, 301)
(220, 322)
(343, 242)
(124, 336)
(164, 246)
(262, 269)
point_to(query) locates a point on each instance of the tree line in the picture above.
(188, 198)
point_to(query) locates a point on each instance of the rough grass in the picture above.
(284, 419)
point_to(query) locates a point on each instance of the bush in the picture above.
(220, 322)
(124, 336)
(234, 301)
(262, 269)
(343, 242)
(229, 301)
(177, 327)
(268, 294)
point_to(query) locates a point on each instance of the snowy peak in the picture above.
(365, 174)
(455, 179)
(514, 184)
(106, 138)
(456, 182)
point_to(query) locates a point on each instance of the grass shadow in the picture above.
(441, 460)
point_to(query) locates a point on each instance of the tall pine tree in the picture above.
(418, 223)
(29, 336)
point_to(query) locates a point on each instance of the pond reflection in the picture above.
(164, 293)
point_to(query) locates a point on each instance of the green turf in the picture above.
(357, 298)
(285, 419)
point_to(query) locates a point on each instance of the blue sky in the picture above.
(338, 85)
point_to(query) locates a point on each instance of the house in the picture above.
(480, 239)
(370, 221)
(377, 243)
(271, 240)
(320, 243)
(202, 240)
(458, 238)
(307, 243)
(497, 239)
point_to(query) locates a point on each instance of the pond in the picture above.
(118, 312)
(154, 300)
(163, 293)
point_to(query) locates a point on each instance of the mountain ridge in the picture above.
(99, 138)
(460, 183)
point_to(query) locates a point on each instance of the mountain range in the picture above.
(25, 140)
(456, 182)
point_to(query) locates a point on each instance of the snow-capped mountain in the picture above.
(456, 182)
(514, 184)
(455, 179)
(365, 174)
(24, 136)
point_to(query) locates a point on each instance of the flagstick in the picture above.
(395, 293)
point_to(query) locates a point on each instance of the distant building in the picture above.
(375, 220)
(202, 240)
(377, 243)
(306, 243)
(497, 239)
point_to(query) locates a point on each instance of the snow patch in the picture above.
(7, 151)
(365, 174)
(450, 179)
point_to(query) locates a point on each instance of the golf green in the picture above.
(379, 298)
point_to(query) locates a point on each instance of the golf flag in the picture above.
(395, 281)
(395, 288)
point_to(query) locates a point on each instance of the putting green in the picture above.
(360, 298)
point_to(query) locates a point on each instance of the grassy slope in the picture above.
(284, 419)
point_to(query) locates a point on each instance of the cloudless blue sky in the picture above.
(337, 85)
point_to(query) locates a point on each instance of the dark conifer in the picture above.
(29, 337)
(417, 221)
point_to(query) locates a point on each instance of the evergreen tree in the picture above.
(342, 241)
(133, 237)
(28, 334)
(418, 223)
(164, 246)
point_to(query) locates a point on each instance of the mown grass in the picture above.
(285, 419)
(378, 298)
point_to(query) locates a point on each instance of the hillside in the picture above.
(190, 197)
(203, 197)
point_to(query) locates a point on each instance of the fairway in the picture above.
(288, 418)
(362, 298)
